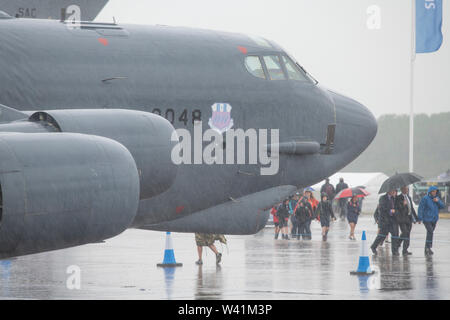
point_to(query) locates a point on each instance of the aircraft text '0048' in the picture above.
(183, 116)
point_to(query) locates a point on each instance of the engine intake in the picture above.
(63, 189)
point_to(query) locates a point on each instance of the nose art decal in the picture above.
(221, 120)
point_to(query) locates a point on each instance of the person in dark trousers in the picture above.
(376, 217)
(313, 206)
(325, 214)
(342, 202)
(292, 205)
(283, 217)
(328, 189)
(406, 216)
(387, 222)
(276, 221)
(353, 211)
(429, 214)
(302, 214)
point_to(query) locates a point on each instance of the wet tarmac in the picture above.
(253, 267)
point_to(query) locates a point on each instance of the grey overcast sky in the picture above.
(330, 38)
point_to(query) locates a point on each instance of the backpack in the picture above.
(298, 204)
(302, 214)
(329, 190)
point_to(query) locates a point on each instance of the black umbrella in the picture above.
(399, 180)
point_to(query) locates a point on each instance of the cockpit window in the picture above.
(277, 67)
(273, 65)
(293, 71)
(254, 66)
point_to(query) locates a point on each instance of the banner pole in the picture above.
(411, 97)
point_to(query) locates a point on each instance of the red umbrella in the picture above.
(351, 192)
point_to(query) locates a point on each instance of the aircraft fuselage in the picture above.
(179, 73)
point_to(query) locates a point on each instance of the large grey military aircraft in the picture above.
(89, 111)
(86, 10)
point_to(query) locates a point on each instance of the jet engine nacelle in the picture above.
(146, 135)
(61, 189)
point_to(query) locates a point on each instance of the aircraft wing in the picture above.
(84, 10)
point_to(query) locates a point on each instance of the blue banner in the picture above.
(428, 25)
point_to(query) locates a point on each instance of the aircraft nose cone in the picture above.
(356, 126)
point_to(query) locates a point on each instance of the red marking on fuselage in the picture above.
(243, 49)
(179, 209)
(103, 41)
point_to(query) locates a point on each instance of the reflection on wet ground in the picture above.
(253, 267)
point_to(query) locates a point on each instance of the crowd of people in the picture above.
(395, 215)
(296, 213)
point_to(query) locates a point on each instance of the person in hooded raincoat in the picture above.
(325, 214)
(302, 214)
(429, 214)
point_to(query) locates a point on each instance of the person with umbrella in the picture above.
(406, 215)
(353, 207)
(390, 213)
(387, 222)
(429, 213)
(353, 211)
